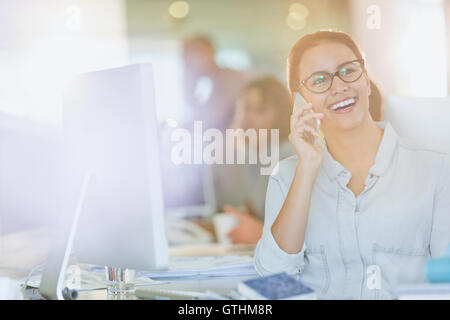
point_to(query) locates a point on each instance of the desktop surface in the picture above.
(33, 245)
(219, 285)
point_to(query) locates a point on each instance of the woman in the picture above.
(264, 103)
(362, 214)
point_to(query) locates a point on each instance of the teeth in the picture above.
(342, 104)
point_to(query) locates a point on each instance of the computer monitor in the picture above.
(114, 211)
(188, 188)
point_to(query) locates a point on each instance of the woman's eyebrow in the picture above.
(322, 71)
(343, 63)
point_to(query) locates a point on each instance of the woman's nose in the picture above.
(338, 86)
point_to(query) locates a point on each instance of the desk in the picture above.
(220, 285)
(21, 251)
(24, 250)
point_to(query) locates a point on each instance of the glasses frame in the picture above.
(335, 74)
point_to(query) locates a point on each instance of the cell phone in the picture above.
(315, 123)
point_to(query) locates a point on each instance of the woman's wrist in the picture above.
(306, 173)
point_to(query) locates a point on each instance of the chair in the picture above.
(423, 120)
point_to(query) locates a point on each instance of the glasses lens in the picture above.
(318, 82)
(350, 72)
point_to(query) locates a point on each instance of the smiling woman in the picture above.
(347, 215)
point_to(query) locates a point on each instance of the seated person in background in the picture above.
(265, 103)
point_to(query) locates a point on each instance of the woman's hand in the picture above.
(249, 229)
(310, 156)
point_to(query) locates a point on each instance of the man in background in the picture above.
(210, 90)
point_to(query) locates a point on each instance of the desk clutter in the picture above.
(190, 277)
(203, 267)
(182, 269)
(280, 286)
(183, 281)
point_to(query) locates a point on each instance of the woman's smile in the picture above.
(343, 106)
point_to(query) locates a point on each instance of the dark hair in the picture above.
(376, 102)
(311, 40)
(275, 93)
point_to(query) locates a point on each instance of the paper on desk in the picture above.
(9, 289)
(200, 267)
(86, 284)
(92, 278)
(424, 291)
(205, 262)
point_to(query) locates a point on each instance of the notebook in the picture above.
(280, 286)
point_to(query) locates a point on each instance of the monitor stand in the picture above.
(119, 281)
(52, 283)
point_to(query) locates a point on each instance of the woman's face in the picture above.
(256, 113)
(328, 56)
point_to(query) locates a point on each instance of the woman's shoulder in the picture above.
(425, 161)
(420, 153)
(284, 170)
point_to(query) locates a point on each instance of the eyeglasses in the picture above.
(321, 81)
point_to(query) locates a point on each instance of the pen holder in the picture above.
(119, 281)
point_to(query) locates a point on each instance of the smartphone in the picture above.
(315, 123)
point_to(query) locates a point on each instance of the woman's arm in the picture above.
(289, 227)
(269, 257)
(286, 216)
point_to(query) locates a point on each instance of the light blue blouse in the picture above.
(365, 247)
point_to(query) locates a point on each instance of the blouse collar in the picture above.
(382, 160)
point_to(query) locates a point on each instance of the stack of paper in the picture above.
(202, 267)
(424, 291)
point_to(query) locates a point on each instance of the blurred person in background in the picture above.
(210, 92)
(209, 89)
(265, 103)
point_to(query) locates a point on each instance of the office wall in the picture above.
(407, 51)
(256, 26)
(411, 35)
(45, 42)
(30, 174)
(447, 22)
